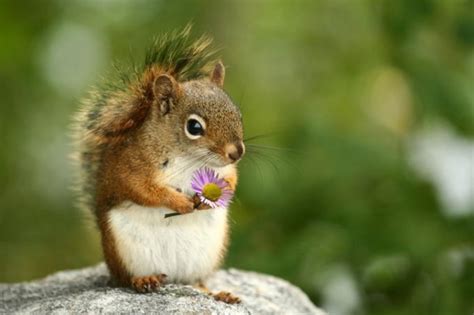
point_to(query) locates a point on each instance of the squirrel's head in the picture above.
(198, 119)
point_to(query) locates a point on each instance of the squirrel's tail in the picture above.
(86, 158)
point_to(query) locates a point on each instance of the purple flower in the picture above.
(212, 190)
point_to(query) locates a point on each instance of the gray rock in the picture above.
(86, 291)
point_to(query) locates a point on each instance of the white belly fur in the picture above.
(186, 248)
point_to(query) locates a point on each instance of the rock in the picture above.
(87, 291)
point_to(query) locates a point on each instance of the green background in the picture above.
(367, 112)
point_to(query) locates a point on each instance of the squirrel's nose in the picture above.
(235, 151)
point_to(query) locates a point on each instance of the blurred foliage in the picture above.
(329, 200)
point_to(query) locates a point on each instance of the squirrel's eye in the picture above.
(194, 127)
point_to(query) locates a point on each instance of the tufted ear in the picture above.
(218, 74)
(165, 91)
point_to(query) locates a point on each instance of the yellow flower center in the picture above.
(211, 192)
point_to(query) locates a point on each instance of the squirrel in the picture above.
(140, 137)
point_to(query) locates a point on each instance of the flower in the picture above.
(211, 190)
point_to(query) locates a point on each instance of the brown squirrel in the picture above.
(140, 137)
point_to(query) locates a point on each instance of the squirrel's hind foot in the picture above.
(148, 283)
(226, 297)
(223, 296)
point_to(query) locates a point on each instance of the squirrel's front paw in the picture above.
(183, 204)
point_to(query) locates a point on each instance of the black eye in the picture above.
(194, 127)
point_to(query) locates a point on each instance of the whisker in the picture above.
(273, 156)
(253, 162)
(267, 154)
(262, 136)
(281, 154)
(267, 147)
(256, 137)
(266, 158)
(199, 160)
(186, 165)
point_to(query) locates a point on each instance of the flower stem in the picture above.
(169, 215)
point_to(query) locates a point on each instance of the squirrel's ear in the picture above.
(165, 91)
(218, 74)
